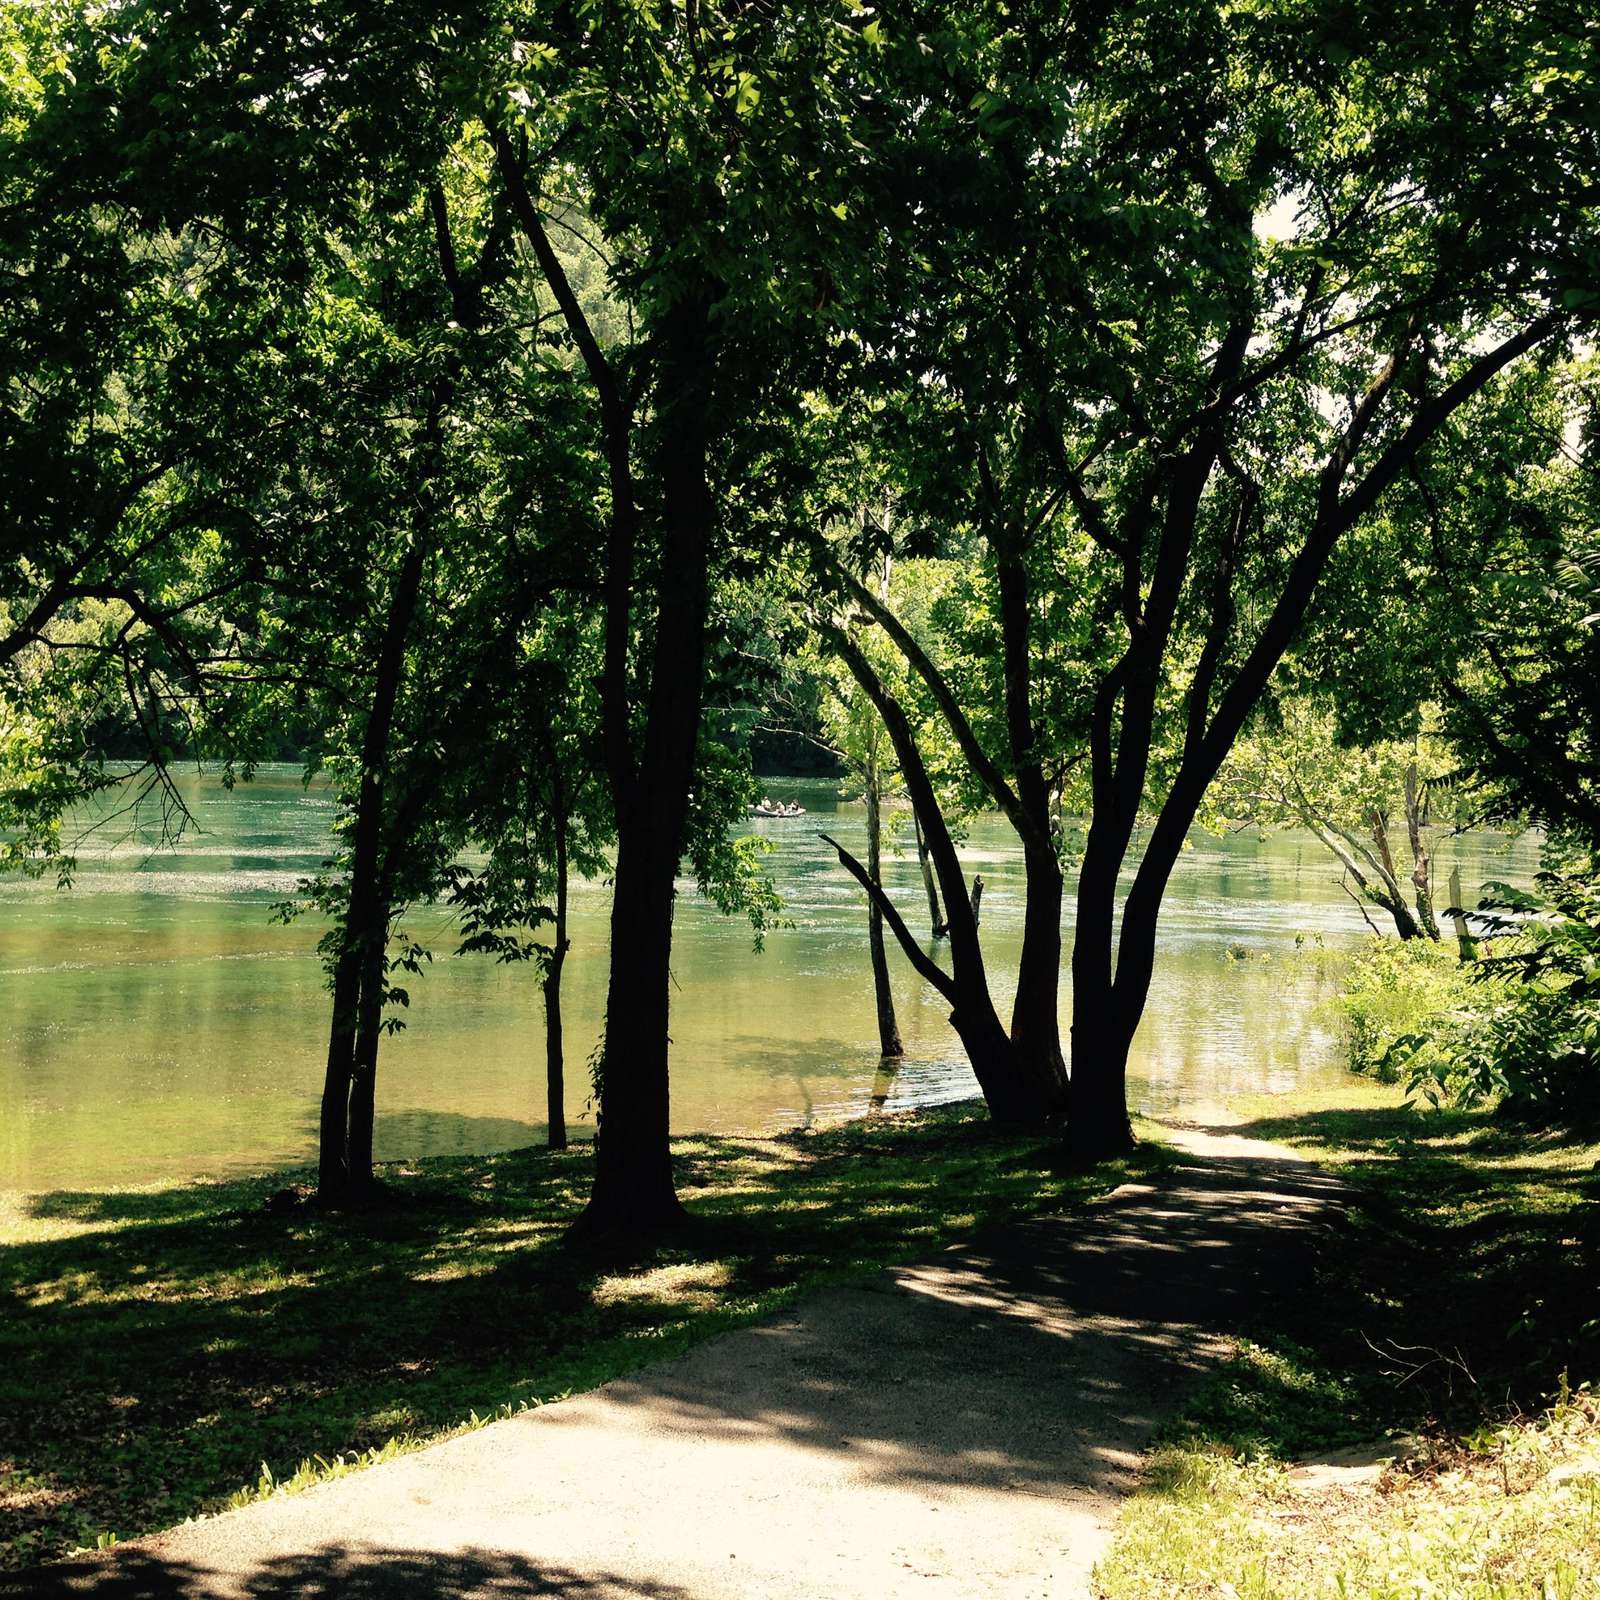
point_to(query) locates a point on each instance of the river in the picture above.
(157, 1024)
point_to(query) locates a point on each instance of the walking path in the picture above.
(962, 1428)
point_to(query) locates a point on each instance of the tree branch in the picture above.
(919, 958)
(918, 659)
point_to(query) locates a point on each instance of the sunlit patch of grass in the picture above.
(696, 1284)
(270, 1349)
(1516, 1519)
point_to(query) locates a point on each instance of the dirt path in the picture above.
(962, 1428)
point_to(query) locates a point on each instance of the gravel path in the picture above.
(962, 1428)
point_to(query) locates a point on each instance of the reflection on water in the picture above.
(158, 1024)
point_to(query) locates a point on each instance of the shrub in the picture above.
(1404, 1004)
(1519, 1027)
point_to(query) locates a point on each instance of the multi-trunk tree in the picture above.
(1178, 300)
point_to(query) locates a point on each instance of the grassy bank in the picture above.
(1456, 1317)
(164, 1352)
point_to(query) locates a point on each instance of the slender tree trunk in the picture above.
(888, 1029)
(633, 1188)
(1389, 896)
(1466, 944)
(333, 1172)
(364, 1074)
(1036, 1008)
(1011, 1092)
(1421, 864)
(554, 1049)
(364, 927)
(930, 887)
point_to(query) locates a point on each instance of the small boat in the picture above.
(778, 812)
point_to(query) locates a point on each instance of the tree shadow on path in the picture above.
(333, 1572)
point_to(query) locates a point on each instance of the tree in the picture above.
(712, 156)
(538, 801)
(860, 739)
(1101, 317)
(1289, 768)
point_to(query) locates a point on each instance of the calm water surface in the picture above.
(157, 1024)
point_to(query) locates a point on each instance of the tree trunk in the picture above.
(364, 1076)
(1035, 1010)
(1421, 865)
(930, 887)
(1466, 944)
(1097, 1120)
(633, 1189)
(1098, 1125)
(364, 927)
(333, 1172)
(1010, 1091)
(554, 1048)
(1388, 895)
(888, 1029)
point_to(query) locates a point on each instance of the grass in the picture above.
(168, 1352)
(1453, 1301)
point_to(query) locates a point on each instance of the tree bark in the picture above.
(365, 920)
(364, 1073)
(633, 1189)
(888, 1028)
(1421, 863)
(554, 1047)
(1011, 1091)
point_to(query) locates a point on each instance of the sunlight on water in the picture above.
(158, 1024)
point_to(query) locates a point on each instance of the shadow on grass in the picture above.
(150, 1366)
(1036, 1358)
(1464, 1278)
(335, 1572)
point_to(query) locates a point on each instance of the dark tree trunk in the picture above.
(633, 1188)
(333, 1172)
(1404, 923)
(1388, 895)
(364, 1076)
(1035, 1010)
(1097, 1123)
(1011, 1092)
(365, 921)
(554, 1048)
(888, 1029)
(1036, 1007)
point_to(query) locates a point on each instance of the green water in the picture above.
(157, 1023)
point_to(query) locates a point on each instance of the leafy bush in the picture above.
(1537, 1046)
(1519, 1027)
(1405, 1006)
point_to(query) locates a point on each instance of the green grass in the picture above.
(167, 1352)
(1458, 1290)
